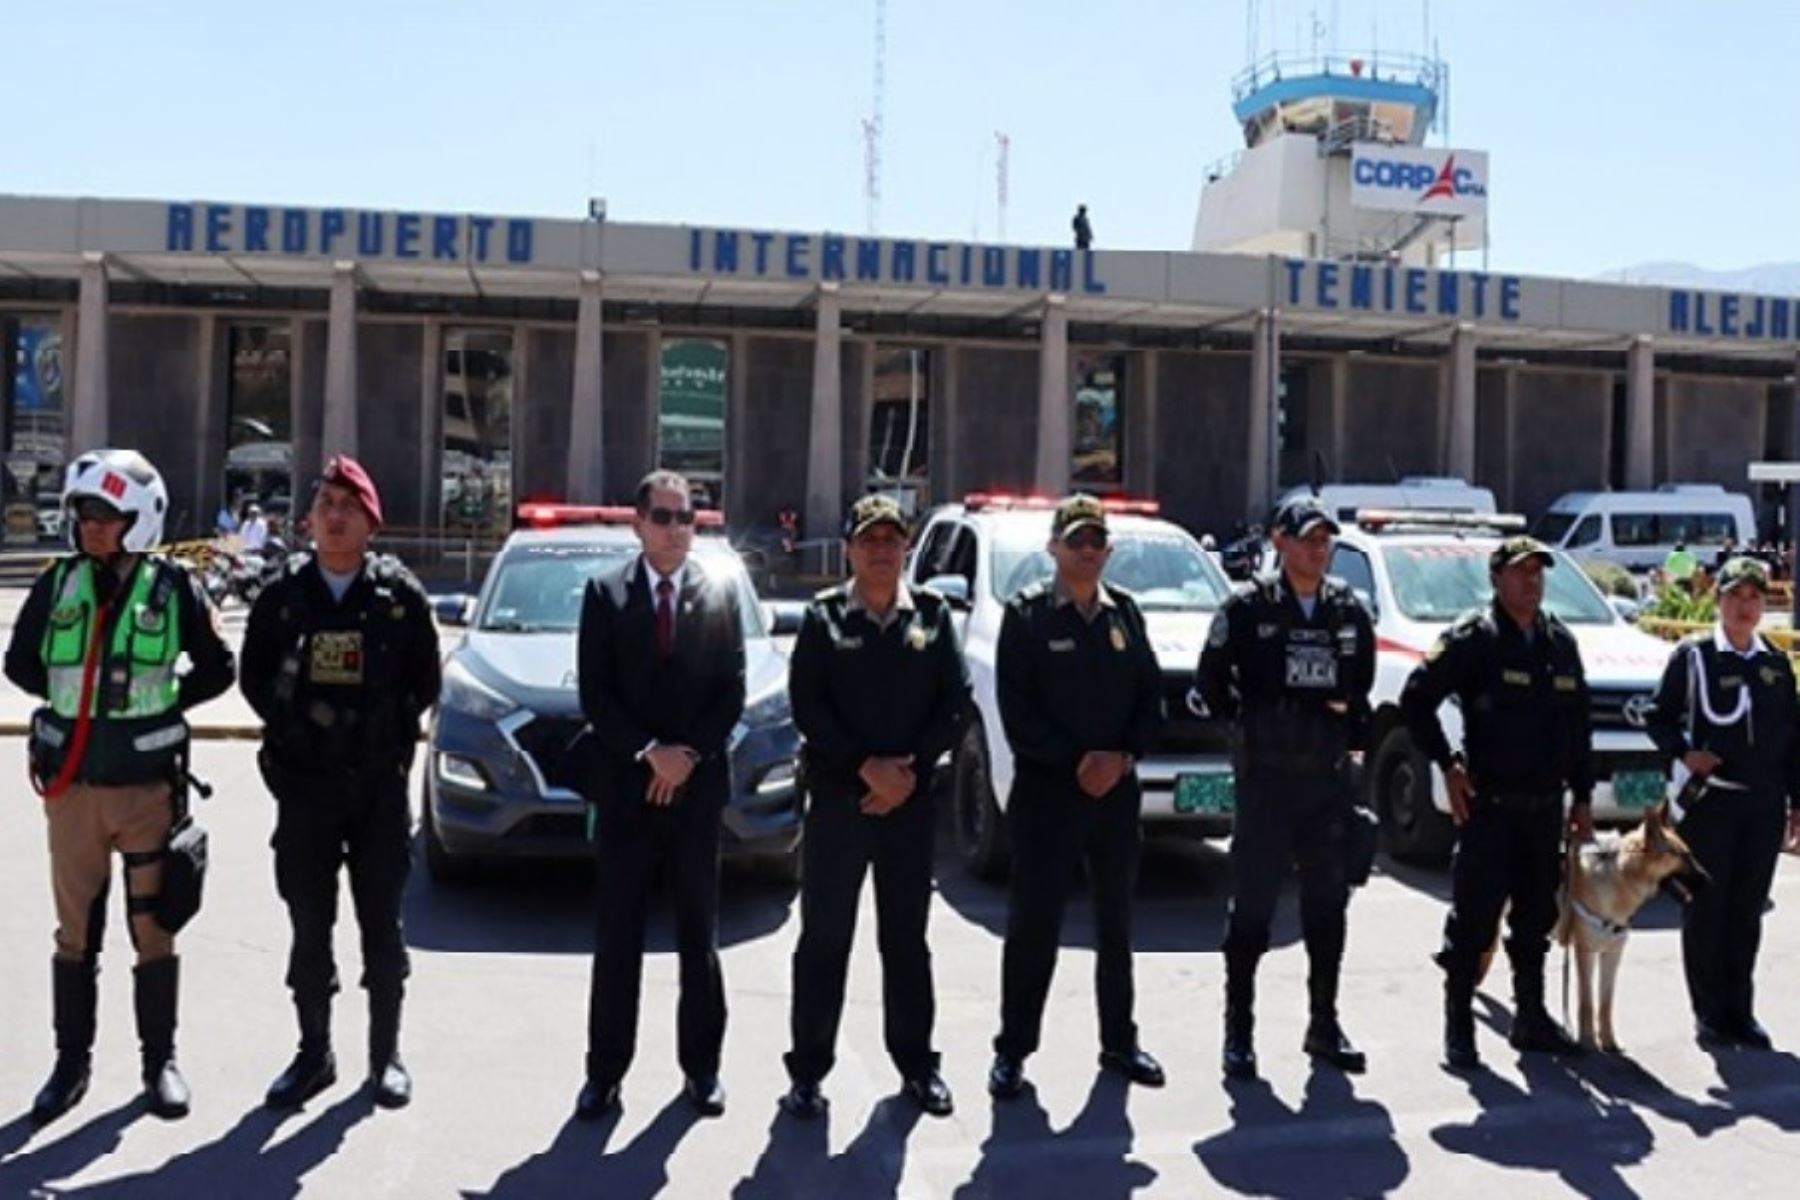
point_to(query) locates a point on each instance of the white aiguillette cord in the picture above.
(1699, 695)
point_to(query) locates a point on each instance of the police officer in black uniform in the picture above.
(1291, 658)
(1726, 713)
(341, 661)
(1080, 696)
(879, 693)
(1515, 670)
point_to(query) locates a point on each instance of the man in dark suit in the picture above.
(661, 665)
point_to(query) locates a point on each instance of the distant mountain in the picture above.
(1782, 279)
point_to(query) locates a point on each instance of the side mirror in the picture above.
(783, 617)
(455, 609)
(1626, 608)
(1368, 600)
(953, 588)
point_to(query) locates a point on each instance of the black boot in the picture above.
(73, 999)
(315, 1068)
(1459, 1022)
(1533, 1030)
(1239, 1057)
(389, 1083)
(156, 986)
(1325, 1039)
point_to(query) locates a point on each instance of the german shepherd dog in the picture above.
(1606, 882)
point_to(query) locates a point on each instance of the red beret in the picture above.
(346, 472)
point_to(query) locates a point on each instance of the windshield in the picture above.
(1552, 526)
(538, 588)
(1440, 583)
(1165, 572)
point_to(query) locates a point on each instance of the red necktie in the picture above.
(665, 617)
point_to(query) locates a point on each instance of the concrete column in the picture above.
(1459, 429)
(587, 471)
(1143, 377)
(1265, 373)
(737, 420)
(946, 476)
(1056, 405)
(338, 431)
(431, 427)
(825, 432)
(1339, 412)
(1640, 414)
(88, 408)
(210, 435)
(1510, 422)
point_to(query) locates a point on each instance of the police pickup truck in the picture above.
(1419, 571)
(979, 554)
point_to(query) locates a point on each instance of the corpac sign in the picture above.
(1450, 183)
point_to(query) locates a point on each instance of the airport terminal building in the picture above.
(473, 361)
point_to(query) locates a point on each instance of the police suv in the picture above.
(1418, 572)
(982, 552)
(494, 785)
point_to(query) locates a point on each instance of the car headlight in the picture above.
(466, 694)
(770, 708)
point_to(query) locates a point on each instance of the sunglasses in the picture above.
(670, 516)
(1087, 538)
(88, 509)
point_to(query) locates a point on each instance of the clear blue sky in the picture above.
(1621, 131)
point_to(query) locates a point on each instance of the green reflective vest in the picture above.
(146, 641)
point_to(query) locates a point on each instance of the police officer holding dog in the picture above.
(99, 637)
(1726, 714)
(879, 693)
(1080, 696)
(1291, 658)
(340, 662)
(1515, 671)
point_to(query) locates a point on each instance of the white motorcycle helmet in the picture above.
(126, 480)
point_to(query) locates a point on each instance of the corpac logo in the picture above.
(1412, 179)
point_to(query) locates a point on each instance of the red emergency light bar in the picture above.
(546, 515)
(1124, 506)
(1376, 519)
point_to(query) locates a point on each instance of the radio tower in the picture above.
(1004, 144)
(872, 125)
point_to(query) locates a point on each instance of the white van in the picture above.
(1439, 493)
(1637, 530)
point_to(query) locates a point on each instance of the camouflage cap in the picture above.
(873, 510)
(1744, 569)
(1520, 549)
(1075, 512)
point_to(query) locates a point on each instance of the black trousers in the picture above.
(1287, 820)
(631, 839)
(1737, 837)
(1510, 851)
(324, 824)
(841, 846)
(1056, 829)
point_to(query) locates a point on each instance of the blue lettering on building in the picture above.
(868, 261)
(519, 236)
(935, 270)
(218, 228)
(332, 224)
(993, 267)
(798, 247)
(1327, 276)
(406, 235)
(256, 231)
(1415, 290)
(904, 265)
(371, 233)
(443, 238)
(1031, 269)
(480, 227)
(1062, 270)
(762, 241)
(831, 257)
(293, 232)
(1411, 290)
(725, 251)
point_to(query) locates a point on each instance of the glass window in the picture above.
(1441, 582)
(900, 425)
(31, 346)
(1165, 571)
(1634, 529)
(259, 446)
(690, 417)
(1551, 527)
(537, 587)
(476, 485)
(1697, 529)
(1586, 533)
(1099, 388)
(1352, 566)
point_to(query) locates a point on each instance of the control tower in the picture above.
(1335, 164)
